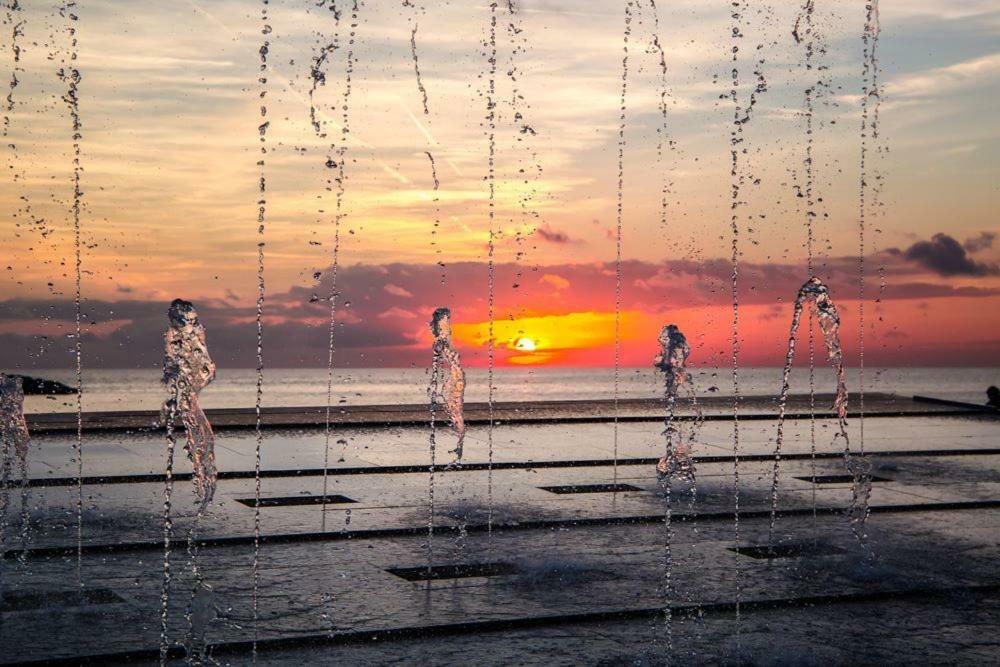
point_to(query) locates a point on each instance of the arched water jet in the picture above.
(817, 295)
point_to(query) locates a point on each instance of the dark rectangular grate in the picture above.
(590, 488)
(460, 571)
(763, 551)
(838, 479)
(28, 601)
(291, 501)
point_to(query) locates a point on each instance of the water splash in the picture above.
(15, 440)
(187, 369)
(619, 224)
(817, 294)
(13, 427)
(672, 362)
(451, 389)
(676, 460)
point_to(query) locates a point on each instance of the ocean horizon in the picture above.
(140, 389)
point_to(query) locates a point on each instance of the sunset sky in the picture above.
(170, 109)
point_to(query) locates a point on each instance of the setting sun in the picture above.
(525, 345)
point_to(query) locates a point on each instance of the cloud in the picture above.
(943, 80)
(375, 331)
(946, 256)
(398, 313)
(558, 282)
(551, 235)
(982, 242)
(395, 290)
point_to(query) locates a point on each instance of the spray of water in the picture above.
(619, 224)
(449, 391)
(261, 218)
(14, 25)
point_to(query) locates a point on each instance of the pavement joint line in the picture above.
(41, 482)
(418, 632)
(496, 528)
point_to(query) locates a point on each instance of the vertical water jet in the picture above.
(262, 129)
(71, 77)
(619, 224)
(870, 90)
(736, 181)
(491, 128)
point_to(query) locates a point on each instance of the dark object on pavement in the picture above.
(993, 397)
(40, 386)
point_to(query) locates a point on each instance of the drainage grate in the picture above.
(291, 501)
(590, 488)
(460, 571)
(764, 551)
(838, 479)
(28, 601)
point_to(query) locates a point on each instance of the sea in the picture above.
(114, 390)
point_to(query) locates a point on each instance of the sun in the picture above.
(525, 344)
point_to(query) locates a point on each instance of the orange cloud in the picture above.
(555, 280)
